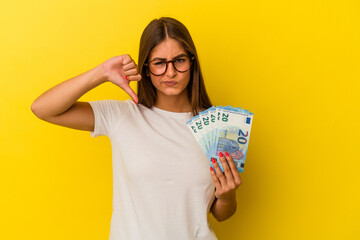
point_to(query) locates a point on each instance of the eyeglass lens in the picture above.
(159, 67)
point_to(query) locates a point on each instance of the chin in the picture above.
(172, 93)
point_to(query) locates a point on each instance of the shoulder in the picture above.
(113, 103)
(112, 106)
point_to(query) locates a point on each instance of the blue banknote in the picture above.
(223, 129)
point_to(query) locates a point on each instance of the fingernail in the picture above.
(211, 169)
(134, 101)
(220, 154)
(226, 154)
(126, 78)
(213, 160)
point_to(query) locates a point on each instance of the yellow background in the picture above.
(294, 64)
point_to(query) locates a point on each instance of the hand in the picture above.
(227, 184)
(120, 70)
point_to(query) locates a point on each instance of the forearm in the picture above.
(223, 209)
(60, 98)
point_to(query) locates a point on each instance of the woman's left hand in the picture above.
(228, 181)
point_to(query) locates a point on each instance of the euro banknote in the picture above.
(223, 129)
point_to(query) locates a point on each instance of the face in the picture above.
(172, 82)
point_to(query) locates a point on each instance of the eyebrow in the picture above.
(180, 55)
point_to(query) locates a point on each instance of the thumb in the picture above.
(130, 92)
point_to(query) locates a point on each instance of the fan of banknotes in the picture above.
(223, 129)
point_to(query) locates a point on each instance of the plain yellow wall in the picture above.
(294, 64)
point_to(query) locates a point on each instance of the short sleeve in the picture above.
(107, 113)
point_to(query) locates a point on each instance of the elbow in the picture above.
(36, 111)
(224, 216)
(218, 219)
(222, 219)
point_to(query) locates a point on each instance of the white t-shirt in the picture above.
(162, 186)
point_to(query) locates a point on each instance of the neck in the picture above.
(179, 103)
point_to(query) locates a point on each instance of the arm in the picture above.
(59, 104)
(224, 205)
(223, 209)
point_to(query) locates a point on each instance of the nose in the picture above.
(171, 71)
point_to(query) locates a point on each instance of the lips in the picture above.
(170, 83)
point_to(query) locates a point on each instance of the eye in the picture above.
(159, 63)
(180, 60)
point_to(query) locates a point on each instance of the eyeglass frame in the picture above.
(192, 58)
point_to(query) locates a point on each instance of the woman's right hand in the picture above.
(120, 70)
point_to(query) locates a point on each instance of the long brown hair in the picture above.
(156, 32)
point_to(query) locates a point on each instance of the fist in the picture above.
(120, 70)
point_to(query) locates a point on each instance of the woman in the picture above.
(162, 187)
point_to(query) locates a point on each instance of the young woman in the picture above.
(162, 185)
